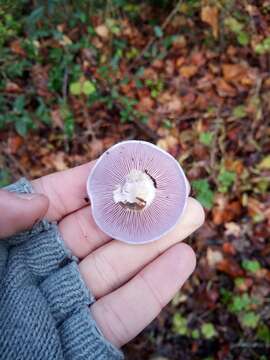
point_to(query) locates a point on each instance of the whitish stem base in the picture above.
(137, 192)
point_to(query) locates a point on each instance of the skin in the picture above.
(131, 283)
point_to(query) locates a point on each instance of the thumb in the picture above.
(20, 212)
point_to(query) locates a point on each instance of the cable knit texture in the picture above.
(44, 303)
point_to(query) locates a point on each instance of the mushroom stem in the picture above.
(137, 192)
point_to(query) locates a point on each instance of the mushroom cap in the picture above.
(149, 224)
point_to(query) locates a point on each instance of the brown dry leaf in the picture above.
(228, 248)
(16, 48)
(102, 31)
(168, 143)
(224, 211)
(14, 143)
(57, 118)
(188, 71)
(233, 71)
(58, 161)
(224, 89)
(12, 88)
(230, 267)
(145, 104)
(40, 79)
(174, 105)
(255, 208)
(209, 14)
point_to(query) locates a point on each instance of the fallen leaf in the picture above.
(15, 47)
(224, 89)
(209, 14)
(12, 87)
(145, 104)
(57, 118)
(225, 211)
(233, 71)
(168, 143)
(230, 267)
(265, 163)
(228, 248)
(102, 31)
(14, 143)
(188, 70)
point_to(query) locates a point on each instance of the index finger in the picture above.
(66, 190)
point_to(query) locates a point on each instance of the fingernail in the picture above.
(25, 196)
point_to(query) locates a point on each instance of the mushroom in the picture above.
(137, 191)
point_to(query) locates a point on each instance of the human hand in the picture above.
(131, 283)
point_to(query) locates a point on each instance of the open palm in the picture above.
(130, 283)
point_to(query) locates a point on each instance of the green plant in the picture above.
(225, 179)
(251, 265)
(206, 138)
(239, 111)
(263, 47)
(204, 193)
(250, 320)
(180, 324)
(208, 331)
(238, 28)
(5, 177)
(263, 333)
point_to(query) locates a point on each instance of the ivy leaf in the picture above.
(206, 138)
(88, 88)
(250, 320)
(226, 179)
(179, 324)
(208, 330)
(251, 265)
(158, 31)
(204, 194)
(239, 111)
(75, 88)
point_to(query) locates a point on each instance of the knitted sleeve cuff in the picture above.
(38, 261)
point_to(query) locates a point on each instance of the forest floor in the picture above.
(193, 79)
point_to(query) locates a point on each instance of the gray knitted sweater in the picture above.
(44, 303)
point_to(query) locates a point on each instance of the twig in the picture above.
(65, 82)
(153, 38)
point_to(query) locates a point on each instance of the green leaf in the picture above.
(208, 330)
(239, 111)
(204, 194)
(250, 320)
(265, 163)
(243, 38)
(226, 179)
(158, 31)
(180, 324)
(88, 88)
(195, 334)
(5, 177)
(206, 138)
(239, 303)
(19, 104)
(251, 265)
(75, 88)
(234, 25)
(263, 333)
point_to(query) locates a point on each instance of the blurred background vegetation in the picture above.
(190, 76)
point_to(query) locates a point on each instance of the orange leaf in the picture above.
(188, 70)
(233, 71)
(16, 48)
(209, 15)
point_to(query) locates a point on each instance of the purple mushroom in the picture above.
(137, 191)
